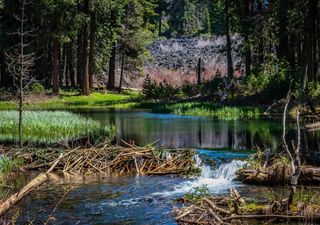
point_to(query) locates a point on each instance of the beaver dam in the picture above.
(119, 160)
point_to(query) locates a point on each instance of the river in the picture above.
(149, 199)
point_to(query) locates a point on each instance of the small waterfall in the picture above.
(224, 171)
(217, 180)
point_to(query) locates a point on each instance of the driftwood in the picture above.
(36, 182)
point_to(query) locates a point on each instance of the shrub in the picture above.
(148, 88)
(163, 90)
(36, 88)
(270, 81)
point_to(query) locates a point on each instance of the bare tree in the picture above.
(20, 63)
(294, 155)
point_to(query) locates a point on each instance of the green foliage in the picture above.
(197, 193)
(253, 208)
(37, 88)
(208, 109)
(276, 195)
(163, 90)
(207, 88)
(46, 127)
(272, 80)
(8, 165)
(307, 196)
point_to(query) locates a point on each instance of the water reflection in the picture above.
(195, 132)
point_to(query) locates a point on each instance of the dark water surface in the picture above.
(149, 199)
(197, 132)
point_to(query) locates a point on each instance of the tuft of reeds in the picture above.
(46, 127)
(209, 109)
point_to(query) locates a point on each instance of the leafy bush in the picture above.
(4, 94)
(206, 88)
(163, 90)
(270, 81)
(313, 90)
(8, 165)
(36, 88)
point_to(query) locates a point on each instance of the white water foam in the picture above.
(216, 180)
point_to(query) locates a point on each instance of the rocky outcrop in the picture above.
(183, 54)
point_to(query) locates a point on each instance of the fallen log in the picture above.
(265, 216)
(36, 182)
(278, 175)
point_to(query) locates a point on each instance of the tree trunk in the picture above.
(160, 22)
(65, 65)
(55, 66)
(85, 77)
(112, 68)
(199, 71)
(122, 71)
(228, 40)
(92, 63)
(71, 67)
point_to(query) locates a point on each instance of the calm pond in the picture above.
(149, 199)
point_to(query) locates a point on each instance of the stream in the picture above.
(149, 199)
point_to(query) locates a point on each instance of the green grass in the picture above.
(8, 165)
(46, 127)
(209, 109)
(133, 100)
(73, 100)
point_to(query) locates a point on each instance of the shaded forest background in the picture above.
(79, 43)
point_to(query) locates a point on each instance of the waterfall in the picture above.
(217, 179)
(224, 171)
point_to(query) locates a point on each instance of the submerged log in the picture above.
(279, 175)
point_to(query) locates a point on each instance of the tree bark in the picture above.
(92, 63)
(79, 58)
(112, 68)
(71, 66)
(85, 77)
(199, 71)
(122, 71)
(55, 66)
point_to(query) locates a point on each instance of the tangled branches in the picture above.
(119, 160)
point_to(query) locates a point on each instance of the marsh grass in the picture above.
(46, 127)
(73, 100)
(8, 165)
(209, 109)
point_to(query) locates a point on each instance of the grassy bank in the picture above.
(133, 100)
(209, 109)
(73, 100)
(46, 127)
